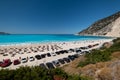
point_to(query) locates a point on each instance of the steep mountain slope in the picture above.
(109, 26)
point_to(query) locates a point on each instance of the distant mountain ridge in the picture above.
(109, 26)
(2, 33)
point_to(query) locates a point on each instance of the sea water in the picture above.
(43, 38)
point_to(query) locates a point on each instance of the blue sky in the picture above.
(53, 16)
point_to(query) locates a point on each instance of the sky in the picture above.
(53, 16)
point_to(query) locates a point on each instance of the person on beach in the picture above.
(27, 57)
(19, 58)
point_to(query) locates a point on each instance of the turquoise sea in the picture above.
(43, 38)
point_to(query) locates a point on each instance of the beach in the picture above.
(21, 51)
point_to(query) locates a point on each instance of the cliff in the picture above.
(109, 26)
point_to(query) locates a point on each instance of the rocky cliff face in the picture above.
(109, 26)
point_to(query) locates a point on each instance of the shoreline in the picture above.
(45, 48)
(51, 41)
(97, 36)
(30, 43)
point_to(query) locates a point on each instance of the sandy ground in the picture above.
(62, 45)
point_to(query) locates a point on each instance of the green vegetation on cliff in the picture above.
(37, 73)
(101, 55)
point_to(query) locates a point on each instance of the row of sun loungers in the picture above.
(79, 51)
(15, 51)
